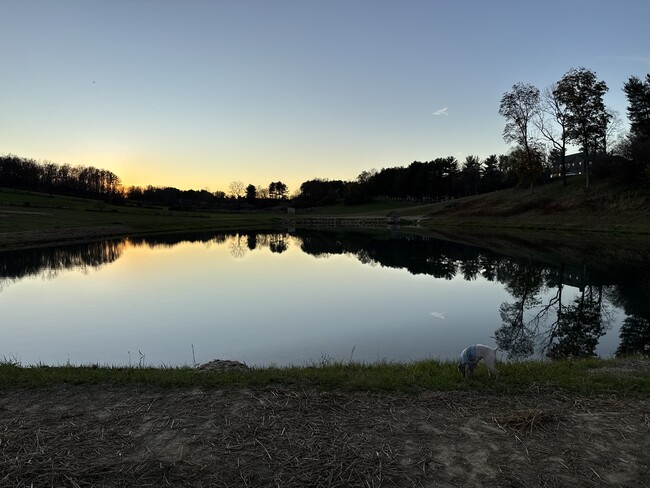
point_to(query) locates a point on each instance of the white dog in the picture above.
(471, 356)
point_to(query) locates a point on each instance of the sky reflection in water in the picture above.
(154, 303)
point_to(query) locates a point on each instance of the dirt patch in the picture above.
(145, 436)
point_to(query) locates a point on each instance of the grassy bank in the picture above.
(553, 210)
(21, 211)
(30, 219)
(622, 377)
(604, 208)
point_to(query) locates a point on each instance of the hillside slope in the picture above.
(604, 208)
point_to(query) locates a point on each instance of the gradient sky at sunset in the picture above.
(196, 94)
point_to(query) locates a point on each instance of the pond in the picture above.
(310, 297)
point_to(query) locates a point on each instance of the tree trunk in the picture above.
(586, 166)
(563, 162)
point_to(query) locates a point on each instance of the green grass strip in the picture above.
(621, 377)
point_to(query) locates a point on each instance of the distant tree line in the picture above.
(240, 197)
(90, 182)
(86, 181)
(173, 197)
(436, 180)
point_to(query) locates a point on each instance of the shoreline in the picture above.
(468, 229)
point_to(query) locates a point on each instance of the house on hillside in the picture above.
(574, 165)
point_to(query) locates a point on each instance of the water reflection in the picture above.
(559, 306)
(538, 316)
(48, 262)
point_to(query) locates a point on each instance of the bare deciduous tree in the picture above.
(551, 122)
(262, 192)
(519, 107)
(236, 188)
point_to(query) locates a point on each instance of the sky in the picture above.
(197, 94)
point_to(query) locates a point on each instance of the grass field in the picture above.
(28, 219)
(604, 208)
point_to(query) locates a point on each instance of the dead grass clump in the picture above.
(529, 420)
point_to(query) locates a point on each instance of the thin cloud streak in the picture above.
(442, 111)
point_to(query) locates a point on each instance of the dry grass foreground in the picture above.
(106, 435)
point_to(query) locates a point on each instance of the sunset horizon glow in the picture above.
(196, 95)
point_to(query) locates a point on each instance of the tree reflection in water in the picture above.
(49, 262)
(559, 330)
(540, 316)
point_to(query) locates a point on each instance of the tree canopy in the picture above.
(586, 116)
(519, 107)
(638, 110)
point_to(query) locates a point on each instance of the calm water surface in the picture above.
(308, 297)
